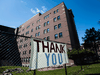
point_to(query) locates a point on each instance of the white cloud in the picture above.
(33, 11)
(37, 9)
(42, 11)
(23, 2)
(13, 26)
(43, 7)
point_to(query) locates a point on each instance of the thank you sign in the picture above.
(47, 53)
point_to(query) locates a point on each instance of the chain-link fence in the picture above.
(15, 54)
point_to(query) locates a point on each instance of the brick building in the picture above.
(56, 24)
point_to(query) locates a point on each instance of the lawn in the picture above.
(76, 70)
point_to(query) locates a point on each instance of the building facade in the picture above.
(56, 24)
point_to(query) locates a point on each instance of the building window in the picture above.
(27, 32)
(57, 10)
(54, 12)
(48, 38)
(44, 31)
(24, 52)
(58, 17)
(47, 22)
(55, 27)
(36, 28)
(20, 46)
(39, 26)
(59, 25)
(29, 59)
(38, 33)
(47, 30)
(26, 39)
(29, 51)
(44, 38)
(23, 30)
(44, 24)
(25, 45)
(56, 36)
(48, 15)
(31, 30)
(60, 35)
(54, 19)
(32, 24)
(22, 34)
(21, 40)
(31, 35)
(28, 27)
(44, 17)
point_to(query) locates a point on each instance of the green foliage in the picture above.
(74, 54)
(90, 38)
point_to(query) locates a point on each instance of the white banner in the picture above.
(47, 53)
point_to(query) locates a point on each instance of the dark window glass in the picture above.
(31, 35)
(54, 12)
(32, 24)
(38, 33)
(48, 38)
(21, 40)
(47, 22)
(36, 28)
(39, 26)
(54, 19)
(26, 39)
(25, 45)
(30, 43)
(47, 30)
(56, 36)
(20, 46)
(44, 31)
(59, 25)
(28, 27)
(29, 51)
(22, 34)
(58, 17)
(23, 30)
(27, 32)
(60, 34)
(31, 30)
(55, 27)
(57, 10)
(44, 38)
(48, 15)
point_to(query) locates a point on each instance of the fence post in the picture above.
(65, 70)
(34, 72)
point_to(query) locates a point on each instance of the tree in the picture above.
(91, 38)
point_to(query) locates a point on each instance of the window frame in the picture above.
(48, 30)
(58, 18)
(60, 35)
(55, 36)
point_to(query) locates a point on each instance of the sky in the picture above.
(14, 13)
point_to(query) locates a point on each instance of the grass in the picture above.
(76, 70)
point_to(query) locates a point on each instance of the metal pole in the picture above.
(36, 62)
(65, 70)
(34, 72)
